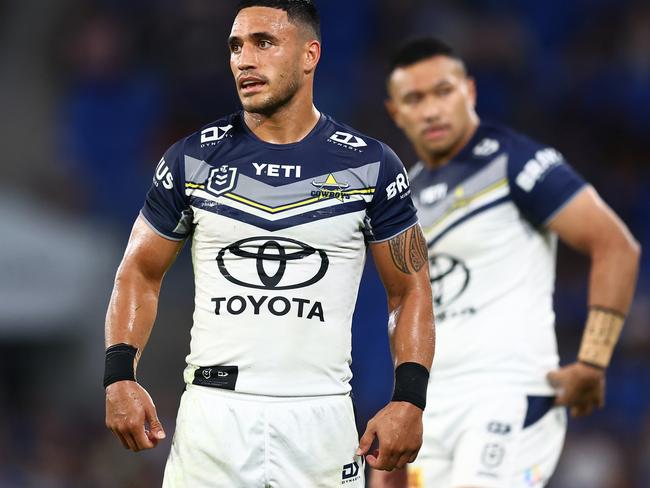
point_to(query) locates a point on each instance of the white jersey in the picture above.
(492, 260)
(279, 237)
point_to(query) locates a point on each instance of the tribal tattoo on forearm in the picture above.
(409, 250)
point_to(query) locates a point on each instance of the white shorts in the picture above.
(496, 440)
(233, 440)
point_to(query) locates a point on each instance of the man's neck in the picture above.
(292, 123)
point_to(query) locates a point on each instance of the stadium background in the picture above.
(92, 92)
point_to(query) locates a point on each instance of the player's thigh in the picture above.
(313, 443)
(442, 425)
(488, 445)
(217, 442)
(540, 448)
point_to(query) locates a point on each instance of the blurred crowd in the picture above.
(92, 93)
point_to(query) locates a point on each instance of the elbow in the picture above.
(621, 246)
(633, 250)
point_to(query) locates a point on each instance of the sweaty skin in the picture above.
(398, 426)
(433, 101)
(273, 62)
(130, 318)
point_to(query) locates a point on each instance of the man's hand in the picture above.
(398, 427)
(128, 408)
(580, 387)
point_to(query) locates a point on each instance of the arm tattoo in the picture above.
(418, 249)
(409, 248)
(398, 252)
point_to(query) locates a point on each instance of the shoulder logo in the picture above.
(212, 135)
(163, 175)
(348, 140)
(222, 180)
(399, 186)
(330, 188)
(486, 147)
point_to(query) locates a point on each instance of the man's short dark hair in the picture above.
(298, 11)
(420, 49)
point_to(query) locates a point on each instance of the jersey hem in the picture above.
(257, 397)
(553, 214)
(159, 232)
(378, 241)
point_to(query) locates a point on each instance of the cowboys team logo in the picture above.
(268, 259)
(330, 188)
(222, 180)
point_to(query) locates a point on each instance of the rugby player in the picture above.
(492, 203)
(281, 202)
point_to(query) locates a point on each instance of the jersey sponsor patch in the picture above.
(212, 135)
(224, 377)
(267, 263)
(163, 176)
(433, 193)
(487, 147)
(348, 140)
(400, 186)
(278, 170)
(352, 472)
(536, 168)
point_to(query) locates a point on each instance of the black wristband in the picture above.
(120, 359)
(411, 381)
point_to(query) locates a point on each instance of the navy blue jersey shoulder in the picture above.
(541, 182)
(226, 147)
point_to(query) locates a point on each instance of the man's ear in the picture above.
(391, 108)
(471, 90)
(312, 55)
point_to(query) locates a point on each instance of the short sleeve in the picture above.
(391, 210)
(542, 183)
(166, 209)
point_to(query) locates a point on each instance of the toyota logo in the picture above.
(449, 278)
(266, 259)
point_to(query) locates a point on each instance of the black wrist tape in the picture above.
(411, 381)
(120, 361)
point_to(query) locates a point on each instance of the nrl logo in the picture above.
(222, 180)
(330, 188)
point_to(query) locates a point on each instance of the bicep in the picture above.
(147, 253)
(402, 262)
(587, 221)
